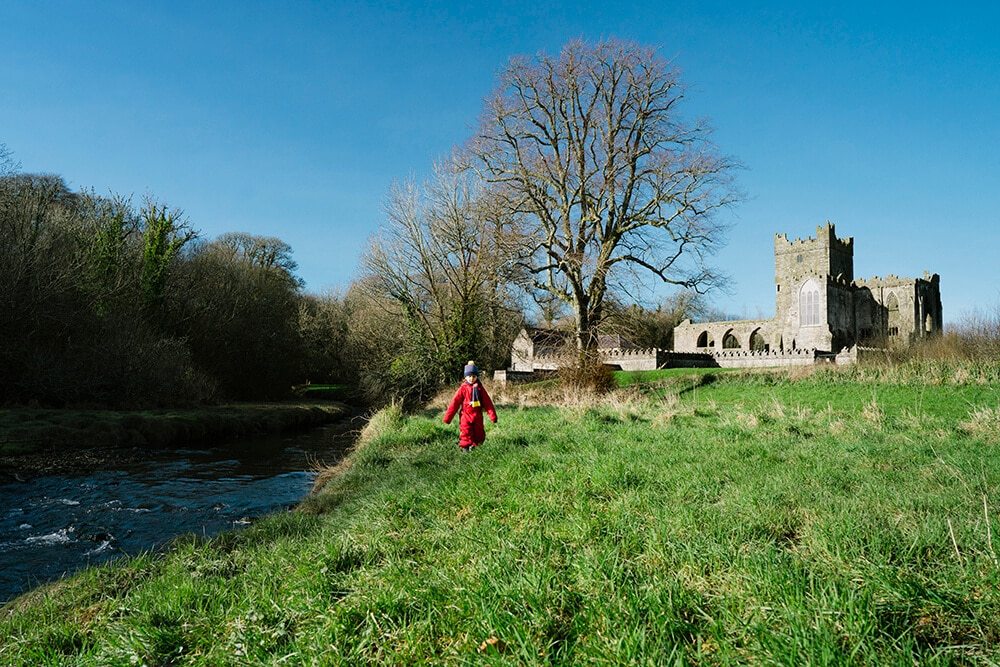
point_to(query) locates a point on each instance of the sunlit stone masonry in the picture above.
(823, 314)
(820, 306)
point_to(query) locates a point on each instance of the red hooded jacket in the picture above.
(470, 424)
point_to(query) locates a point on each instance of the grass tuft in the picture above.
(983, 422)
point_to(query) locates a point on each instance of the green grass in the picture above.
(737, 519)
(629, 378)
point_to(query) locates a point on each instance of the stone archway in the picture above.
(730, 341)
(757, 343)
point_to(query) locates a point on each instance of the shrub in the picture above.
(586, 372)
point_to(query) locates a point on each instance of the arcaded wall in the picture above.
(713, 336)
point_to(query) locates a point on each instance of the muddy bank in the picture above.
(44, 442)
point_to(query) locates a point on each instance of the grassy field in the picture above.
(690, 518)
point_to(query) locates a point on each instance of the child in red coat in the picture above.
(472, 398)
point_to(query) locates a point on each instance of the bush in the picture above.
(587, 373)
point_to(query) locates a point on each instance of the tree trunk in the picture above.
(585, 339)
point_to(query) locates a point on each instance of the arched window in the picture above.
(809, 304)
(730, 341)
(757, 343)
(893, 319)
(703, 339)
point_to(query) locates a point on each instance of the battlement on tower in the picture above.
(891, 280)
(826, 237)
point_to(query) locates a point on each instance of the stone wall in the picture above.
(626, 360)
(713, 336)
(517, 377)
(669, 359)
(521, 353)
(771, 359)
(631, 360)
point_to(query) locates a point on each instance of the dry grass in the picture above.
(746, 419)
(926, 371)
(378, 424)
(666, 409)
(776, 410)
(326, 473)
(385, 420)
(800, 372)
(549, 394)
(873, 414)
(982, 422)
(441, 399)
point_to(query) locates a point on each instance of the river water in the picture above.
(53, 525)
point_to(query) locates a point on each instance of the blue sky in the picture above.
(293, 119)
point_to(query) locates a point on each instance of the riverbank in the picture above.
(44, 441)
(751, 518)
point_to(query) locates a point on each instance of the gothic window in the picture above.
(757, 343)
(809, 304)
(729, 341)
(892, 303)
(894, 318)
(703, 339)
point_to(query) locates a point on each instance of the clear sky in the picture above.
(293, 119)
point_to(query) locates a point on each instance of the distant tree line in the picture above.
(106, 303)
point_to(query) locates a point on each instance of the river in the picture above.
(55, 524)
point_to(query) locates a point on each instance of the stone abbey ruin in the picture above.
(822, 313)
(821, 306)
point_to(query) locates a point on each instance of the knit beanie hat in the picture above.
(470, 369)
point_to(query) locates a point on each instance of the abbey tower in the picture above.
(819, 305)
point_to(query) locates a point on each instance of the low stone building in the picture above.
(820, 306)
(540, 349)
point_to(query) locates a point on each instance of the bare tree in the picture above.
(652, 327)
(442, 260)
(267, 252)
(8, 165)
(609, 182)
